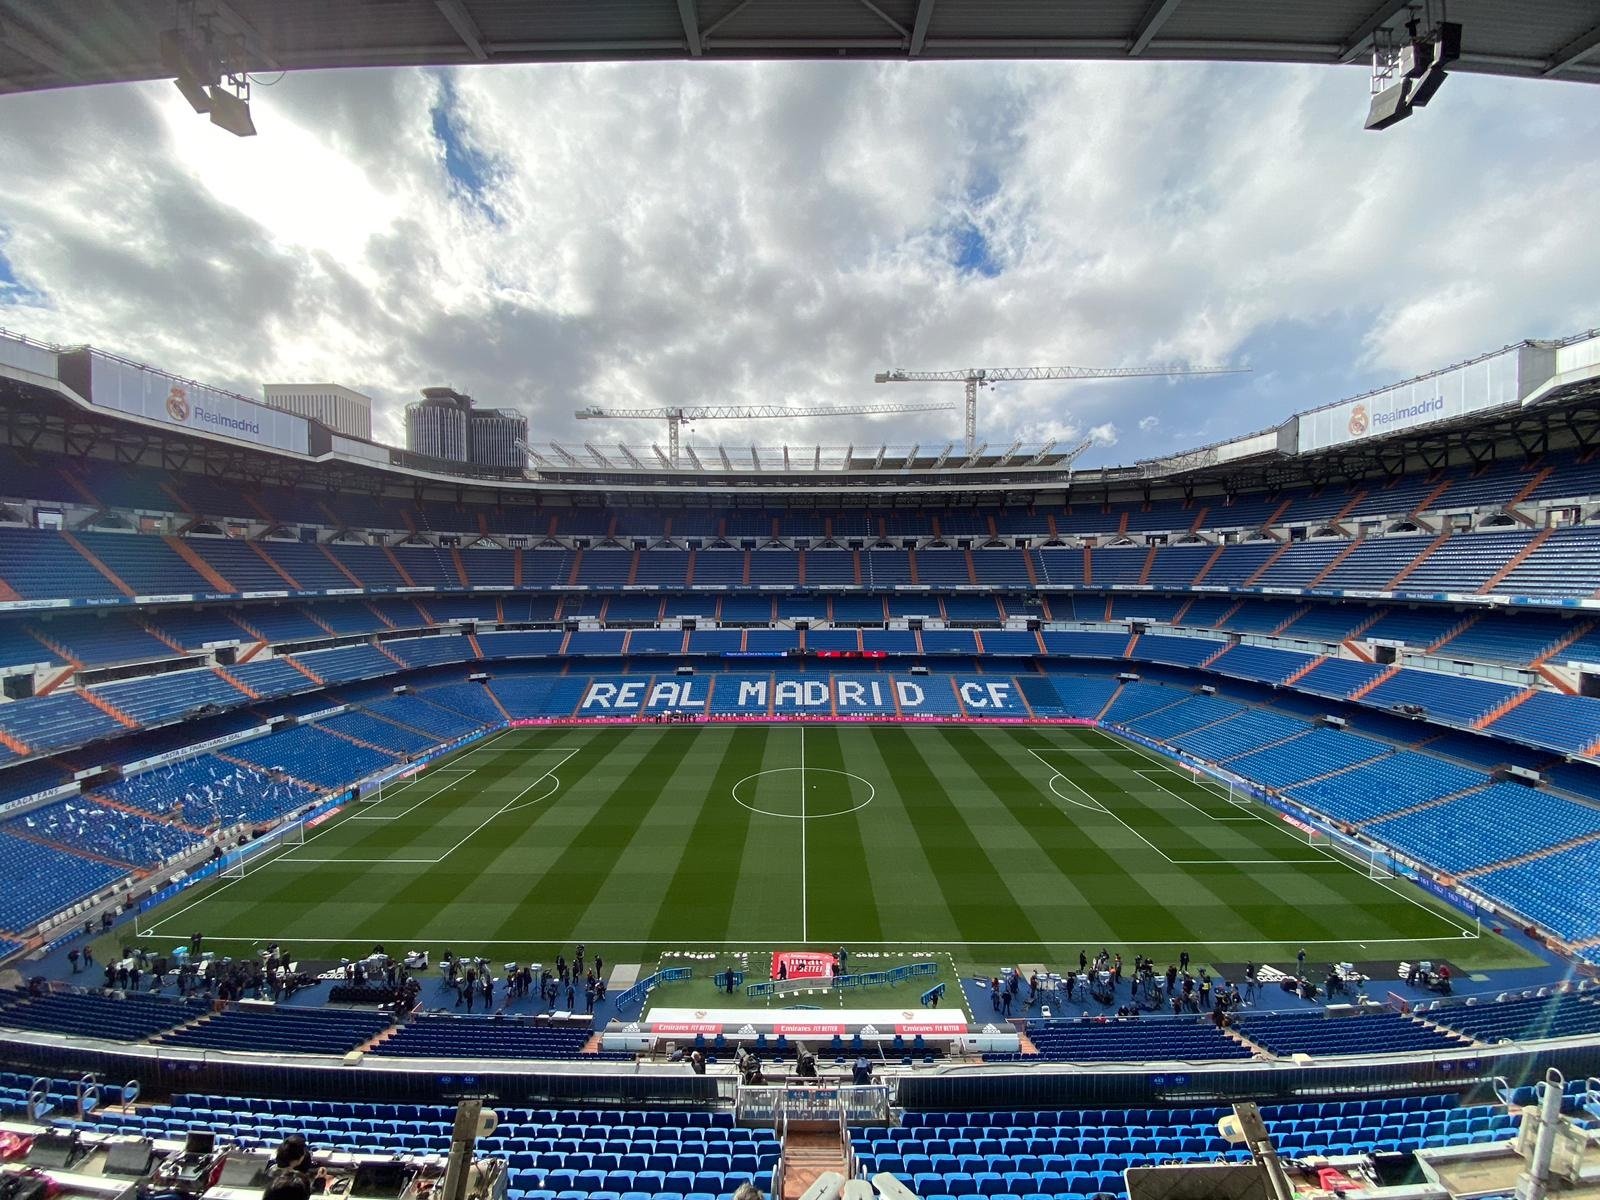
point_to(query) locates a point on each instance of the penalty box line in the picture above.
(1343, 860)
(444, 784)
(1095, 805)
(503, 809)
(289, 854)
(1150, 778)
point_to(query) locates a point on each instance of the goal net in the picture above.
(1318, 837)
(370, 794)
(259, 852)
(1380, 864)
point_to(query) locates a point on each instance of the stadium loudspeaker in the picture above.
(1390, 106)
(1427, 86)
(199, 99)
(1449, 44)
(232, 113)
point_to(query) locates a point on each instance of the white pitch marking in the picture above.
(433, 795)
(1330, 856)
(804, 917)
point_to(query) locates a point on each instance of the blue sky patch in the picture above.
(470, 169)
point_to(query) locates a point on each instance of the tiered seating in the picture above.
(1138, 699)
(1317, 753)
(104, 639)
(1084, 1152)
(481, 1037)
(430, 651)
(1316, 1033)
(40, 565)
(1250, 730)
(53, 722)
(91, 1014)
(1561, 1015)
(199, 791)
(1465, 562)
(1156, 1040)
(383, 734)
(1462, 699)
(1261, 663)
(79, 824)
(1399, 781)
(1569, 724)
(43, 881)
(272, 677)
(158, 698)
(281, 1031)
(1568, 563)
(345, 663)
(1557, 891)
(1503, 821)
(1081, 695)
(418, 712)
(668, 1154)
(146, 564)
(1179, 651)
(1188, 714)
(307, 754)
(1376, 561)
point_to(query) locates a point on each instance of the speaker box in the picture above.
(129, 1160)
(57, 1150)
(1390, 106)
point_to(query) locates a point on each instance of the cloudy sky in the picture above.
(553, 236)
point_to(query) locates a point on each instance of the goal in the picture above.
(1318, 837)
(1380, 864)
(259, 852)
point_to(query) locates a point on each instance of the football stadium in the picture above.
(509, 817)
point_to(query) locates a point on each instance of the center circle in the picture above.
(827, 793)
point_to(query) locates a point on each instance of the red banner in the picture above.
(945, 1027)
(708, 1027)
(802, 964)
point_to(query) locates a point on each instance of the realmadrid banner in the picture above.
(1490, 382)
(142, 392)
(802, 964)
(881, 694)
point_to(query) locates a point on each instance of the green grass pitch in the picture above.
(994, 844)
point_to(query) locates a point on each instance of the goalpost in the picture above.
(1380, 864)
(370, 793)
(257, 853)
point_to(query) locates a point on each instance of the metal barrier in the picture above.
(637, 993)
(843, 983)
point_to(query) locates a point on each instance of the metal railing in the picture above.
(849, 1104)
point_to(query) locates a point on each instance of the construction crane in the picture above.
(677, 416)
(977, 377)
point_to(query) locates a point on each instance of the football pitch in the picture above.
(994, 844)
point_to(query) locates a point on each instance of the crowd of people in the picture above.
(1183, 987)
(474, 983)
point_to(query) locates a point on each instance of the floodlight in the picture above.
(199, 99)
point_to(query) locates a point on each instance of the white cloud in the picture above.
(684, 233)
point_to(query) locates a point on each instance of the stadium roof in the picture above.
(47, 45)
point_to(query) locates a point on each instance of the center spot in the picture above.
(803, 792)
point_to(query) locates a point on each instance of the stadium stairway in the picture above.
(807, 1155)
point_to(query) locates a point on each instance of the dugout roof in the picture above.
(57, 43)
